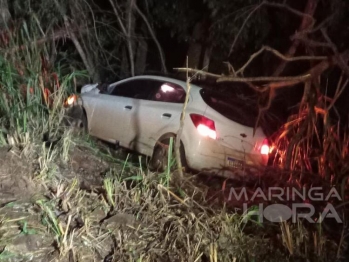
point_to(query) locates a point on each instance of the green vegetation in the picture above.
(67, 197)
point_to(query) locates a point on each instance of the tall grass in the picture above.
(32, 90)
(312, 151)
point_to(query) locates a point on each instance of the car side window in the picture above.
(167, 92)
(133, 89)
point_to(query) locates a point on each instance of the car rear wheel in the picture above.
(159, 160)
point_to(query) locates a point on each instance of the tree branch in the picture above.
(285, 80)
(276, 82)
(341, 63)
(310, 42)
(285, 83)
(5, 14)
(308, 15)
(278, 54)
(126, 33)
(151, 31)
(339, 90)
(181, 126)
(305, 15)
(263, 79)
(129, 39)
(242, 27)
(89, 66)
(305, 25)
(118, 17)
(312, 30)
(196, 71)
(55, 36)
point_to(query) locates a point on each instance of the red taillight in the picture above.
(265, 147)
(204, 125)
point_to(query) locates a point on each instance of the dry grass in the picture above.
(130, 214)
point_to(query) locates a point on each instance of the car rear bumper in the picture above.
(209, 156)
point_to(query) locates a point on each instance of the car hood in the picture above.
(89, 88)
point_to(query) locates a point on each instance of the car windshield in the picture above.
(242, 111)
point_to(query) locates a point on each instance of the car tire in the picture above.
(83, 123)
(76, 117)
(159, 159)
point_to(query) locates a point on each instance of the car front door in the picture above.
(125, 123)
(157, 112)
(107, 117)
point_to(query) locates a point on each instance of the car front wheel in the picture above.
(76, 117)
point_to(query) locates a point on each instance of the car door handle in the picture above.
(166, 115)
(128, 107)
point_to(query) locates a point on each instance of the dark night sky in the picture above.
(279, 37)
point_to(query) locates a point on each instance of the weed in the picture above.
(50, 219)
(25, 230)
(110, 189)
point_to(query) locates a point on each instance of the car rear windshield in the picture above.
(242, 111)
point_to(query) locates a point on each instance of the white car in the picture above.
(142, 113)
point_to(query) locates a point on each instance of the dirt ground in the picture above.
(67, 215)
(23, 237)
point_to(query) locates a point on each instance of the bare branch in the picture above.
(116, 12)
(263, 79)
(196, 71)
(312, 30)
(305, 25)
(341, 63)
(339, 90)
(129, 39)
(292, 59)
(151, 31)
(243, 25)
(55, 36)
(309, 42)
(292, 10)
(306, 16)
(85, 59)
(126, 33)
(285, 83)
(249, 61)
(5, 14)
(181, 125)
(320, 68)
(284, 80)
(278, 54)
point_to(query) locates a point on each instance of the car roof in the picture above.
(161, 78)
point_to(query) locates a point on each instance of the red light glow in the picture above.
(204, 125)
(206, 131)
(265, 150)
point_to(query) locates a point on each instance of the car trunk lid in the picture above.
(234, 121)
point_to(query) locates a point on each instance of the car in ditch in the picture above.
(142, 113)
